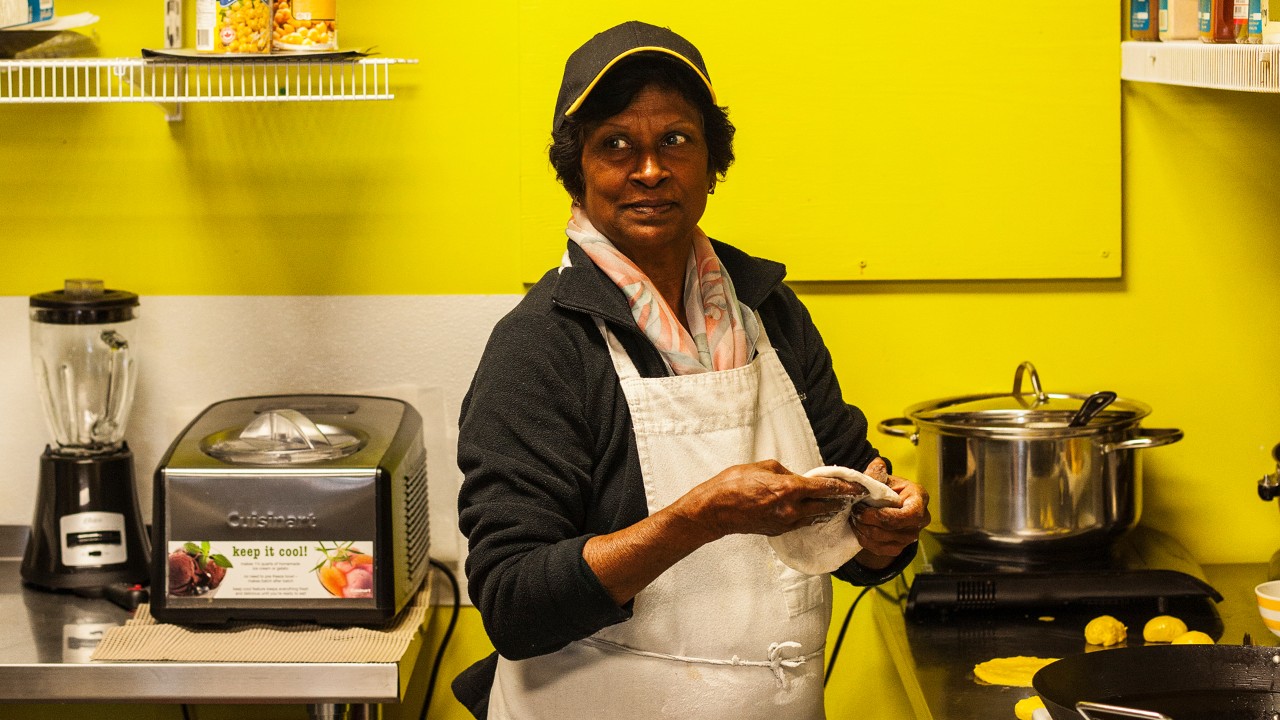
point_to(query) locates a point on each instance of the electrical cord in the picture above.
(448, 633)
(835, 650)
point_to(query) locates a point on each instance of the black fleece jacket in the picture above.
(549, 458)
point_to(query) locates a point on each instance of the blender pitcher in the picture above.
(87, 532)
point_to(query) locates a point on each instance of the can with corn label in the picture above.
(305, 25)
(233, 26)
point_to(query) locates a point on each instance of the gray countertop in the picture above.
(935, 659)
(46, 640)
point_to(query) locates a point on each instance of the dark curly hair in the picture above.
(614, 93)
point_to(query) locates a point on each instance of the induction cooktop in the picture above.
(1144, 567)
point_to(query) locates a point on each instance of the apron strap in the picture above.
(776, 661)
(622, 363)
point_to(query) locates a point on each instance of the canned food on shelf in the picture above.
(233, 26)
(305, 25)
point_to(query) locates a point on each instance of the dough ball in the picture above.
(1105, 630)
(1026, 706)
(1163, 628)
(1192, 637)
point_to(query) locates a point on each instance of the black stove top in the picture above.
(1143, 570)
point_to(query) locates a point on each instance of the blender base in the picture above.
(87, 532)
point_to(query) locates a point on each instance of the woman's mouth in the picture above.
(650, 207)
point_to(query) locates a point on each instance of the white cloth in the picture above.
(727, 633)
(822, 548)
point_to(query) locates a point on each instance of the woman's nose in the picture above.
(649, 169)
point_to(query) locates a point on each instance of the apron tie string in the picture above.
(775, 662)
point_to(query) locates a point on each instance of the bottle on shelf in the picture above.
(1179, 20)
(1143, 23)
(1224, 21)
(1258, 17)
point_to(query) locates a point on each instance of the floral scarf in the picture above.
(722, 332)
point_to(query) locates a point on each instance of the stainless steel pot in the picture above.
(1007, 472)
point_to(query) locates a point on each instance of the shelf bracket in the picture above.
(173, 39)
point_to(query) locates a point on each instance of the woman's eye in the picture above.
(677, 139)
(617, 143)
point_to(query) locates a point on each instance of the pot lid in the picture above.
(1019, 412)
(284, 436)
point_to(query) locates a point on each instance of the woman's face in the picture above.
(646, 174)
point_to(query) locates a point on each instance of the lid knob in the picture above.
(1041, 397)
(285, 429)
(283, 436)
(83, 288)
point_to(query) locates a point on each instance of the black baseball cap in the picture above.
(589, 63)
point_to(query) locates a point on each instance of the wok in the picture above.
(1184, 682)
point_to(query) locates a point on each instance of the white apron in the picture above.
(727, 633)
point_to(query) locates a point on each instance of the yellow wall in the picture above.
(224, 201)
(878, 148)
(221, 202)
(397, 195)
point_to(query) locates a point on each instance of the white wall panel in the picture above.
(197, 350)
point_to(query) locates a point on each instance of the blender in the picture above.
(87, 535)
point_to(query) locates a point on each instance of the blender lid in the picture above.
(83, 302)
(281, 437)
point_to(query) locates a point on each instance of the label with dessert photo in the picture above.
(234, 569)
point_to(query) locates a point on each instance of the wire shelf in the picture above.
(1252, 68)
(168, 82)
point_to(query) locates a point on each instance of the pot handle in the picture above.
(1147, 438)
(1041, 396)
(1085, 708)
(890, 427)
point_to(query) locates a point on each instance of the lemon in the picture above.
(1026, 706)
(1193, 637)
(1105, 630)
(1163, 628)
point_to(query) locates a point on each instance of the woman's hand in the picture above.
(885, 532)
(763, 498)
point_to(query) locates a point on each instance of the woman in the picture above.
(632, 436)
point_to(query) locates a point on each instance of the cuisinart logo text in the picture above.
(270, 520)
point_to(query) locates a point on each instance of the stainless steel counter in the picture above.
(46, 640)
(935, 660)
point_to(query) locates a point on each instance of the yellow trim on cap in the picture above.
(577, 103)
